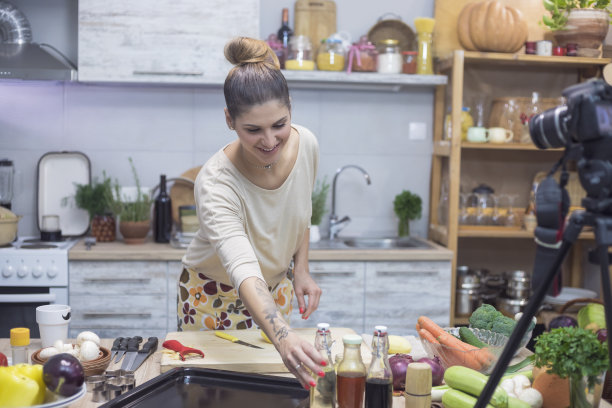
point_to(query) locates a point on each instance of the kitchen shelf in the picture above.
(495, 75)
(359, 81)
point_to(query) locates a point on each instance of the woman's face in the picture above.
(263, 131)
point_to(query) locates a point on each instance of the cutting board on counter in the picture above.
(224, 355)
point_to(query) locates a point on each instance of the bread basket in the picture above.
(8, 226)
(92, 367)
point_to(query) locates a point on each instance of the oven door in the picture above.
(18, 306)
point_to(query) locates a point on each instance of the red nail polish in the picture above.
(324, 363)
(313, 384)
(321, 374)
(301, 310)
(306, 387)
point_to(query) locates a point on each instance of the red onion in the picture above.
(437, 371)
(399, 363)
(602, 335)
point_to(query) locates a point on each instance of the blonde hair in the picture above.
(256, 77)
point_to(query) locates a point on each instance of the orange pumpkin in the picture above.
(491, 26)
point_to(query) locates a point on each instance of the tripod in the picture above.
(603, 238)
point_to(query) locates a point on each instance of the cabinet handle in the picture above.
(117, 280)
(115, 314)
(28, 298)
(169, 73)
(411, 273)
(332, 273)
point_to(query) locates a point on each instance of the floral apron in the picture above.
(205, 304)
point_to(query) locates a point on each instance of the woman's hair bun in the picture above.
(245, 50)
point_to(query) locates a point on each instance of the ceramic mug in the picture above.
(477, 134)
(500, 135)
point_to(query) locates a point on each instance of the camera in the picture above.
(586, 117)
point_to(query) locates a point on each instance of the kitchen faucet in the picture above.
(335, 225)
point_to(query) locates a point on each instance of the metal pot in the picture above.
(467, 300)
(510, 307)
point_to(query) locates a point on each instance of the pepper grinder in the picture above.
(418, 385)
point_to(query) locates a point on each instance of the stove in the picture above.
(32, 273)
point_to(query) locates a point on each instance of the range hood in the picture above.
(31, 61)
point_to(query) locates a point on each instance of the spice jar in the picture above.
(409, 62)
(300, 54)
(362, 56)
(277, 47)
(331, 55)
(20, 343)
(389, 57)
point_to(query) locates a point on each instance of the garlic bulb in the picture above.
(88, 336)
(48, 352)
(89, 351)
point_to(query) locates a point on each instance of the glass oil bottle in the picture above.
(323, 395)
(351, 374)
(379, 380)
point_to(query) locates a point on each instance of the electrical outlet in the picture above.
(417, 131)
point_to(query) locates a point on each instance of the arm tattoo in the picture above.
(271, 312)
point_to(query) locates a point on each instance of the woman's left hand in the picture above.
(304, 285)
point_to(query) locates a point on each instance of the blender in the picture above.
(7, 175)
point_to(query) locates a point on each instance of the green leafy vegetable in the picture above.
(407, 206)
(319, 197)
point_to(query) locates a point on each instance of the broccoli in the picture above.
(484, 317)
(503, 325)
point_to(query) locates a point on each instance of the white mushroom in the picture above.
(48, 352)
(67, 348)
(59, 345)
(521, 383)
(89, 351)
(508, 386)
(533, 397)
(88, 336)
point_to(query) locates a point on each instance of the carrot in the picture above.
(429, 325)
(426, 335)
(451, 341)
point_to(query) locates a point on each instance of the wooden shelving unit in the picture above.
(515, 73)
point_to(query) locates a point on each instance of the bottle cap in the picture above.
(390, 41)
(380, 329)
(323, 326)
(352, 339)
(20, 336)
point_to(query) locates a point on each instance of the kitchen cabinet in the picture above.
(509, 168)
(162, 41)
(113, 298)
(361, 295)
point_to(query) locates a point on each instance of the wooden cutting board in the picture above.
(224, 355)
(315, 19)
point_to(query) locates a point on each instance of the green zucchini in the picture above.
(468, 336)
(457, 399)
(517, 403)
(472, 382)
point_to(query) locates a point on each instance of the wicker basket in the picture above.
(393, 28)
(93, 367)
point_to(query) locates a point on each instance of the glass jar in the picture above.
(300, 54)
(389, 57)
(351, 374)
(331, 55)
(362, 56)
(409, 62)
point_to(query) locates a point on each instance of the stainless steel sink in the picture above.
(371, 243)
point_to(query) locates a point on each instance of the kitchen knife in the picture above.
(122, 348)
(132, 352)
(233, 339)
(115, 347)
(147, 349)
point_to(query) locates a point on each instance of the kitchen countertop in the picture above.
(151, 368)
(151, 251)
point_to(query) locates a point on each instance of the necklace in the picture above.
(257, 166)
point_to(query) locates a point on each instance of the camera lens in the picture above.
(548, 129)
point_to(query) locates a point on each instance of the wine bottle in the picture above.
(163, 213)
(284, 32)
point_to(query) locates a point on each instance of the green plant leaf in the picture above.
(319, 198)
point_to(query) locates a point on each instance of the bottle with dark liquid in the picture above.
(379, 380)
(163, 213)
(323, 395)
(350, 380)
(284, 32)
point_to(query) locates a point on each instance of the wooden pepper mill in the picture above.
(418, 385)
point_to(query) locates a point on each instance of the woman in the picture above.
(253, 204)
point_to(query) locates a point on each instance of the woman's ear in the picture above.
(228, 119)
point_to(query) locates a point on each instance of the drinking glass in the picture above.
(511, 218)
(484, 215)
(464, 214)
(501, 210)
(510, 118)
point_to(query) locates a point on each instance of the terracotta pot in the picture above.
(134, 232)
(587, 28)
(103, 228)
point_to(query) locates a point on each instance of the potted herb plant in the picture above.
(319, 198)
(97, 199)
(582, 22)
(577, 354)
(134, 214)
(407, 207)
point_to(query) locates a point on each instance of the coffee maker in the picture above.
(7, 177)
